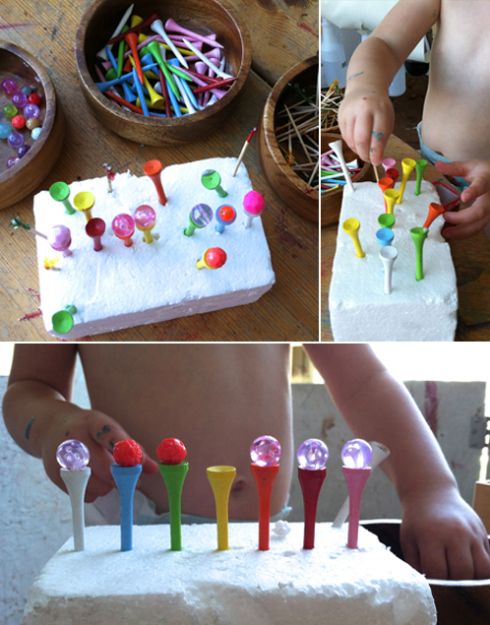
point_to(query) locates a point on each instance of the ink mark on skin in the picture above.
(377, 135)
(372, 150)
(112, 443)
(105, 429)
(354, 76)
(27, 431)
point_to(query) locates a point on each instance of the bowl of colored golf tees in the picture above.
(162, 73)
(31, 124)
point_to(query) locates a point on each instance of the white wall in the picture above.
(35, 516)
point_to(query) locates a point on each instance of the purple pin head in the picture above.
(312, 454)
(72, 455)
(265, 451)
(357, 454)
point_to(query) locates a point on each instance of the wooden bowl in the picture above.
(331, 202)
(33, 168)
(462, 601)
(293, 190)
(96, 27)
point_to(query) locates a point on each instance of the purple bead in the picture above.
(31, 110)
(265, 451)
(22, 151)
(9, 86)
(13, 160)
(15, 139)
(312, 454)
(357, 454)
(72, 455)
(19, 99)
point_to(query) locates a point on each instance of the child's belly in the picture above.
(216, 398)
(457, 107)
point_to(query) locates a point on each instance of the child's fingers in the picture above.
(107, 432)
(411, 553)
(362, 136)
(379, 138)
(481, 559)
(433, 560)
(100, 463)
(97, 488)
(460, 560)
(478, 187)
(464, 230)
(477, 211)
(455, 168)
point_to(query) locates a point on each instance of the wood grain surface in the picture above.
(283, 33)
(471, 259)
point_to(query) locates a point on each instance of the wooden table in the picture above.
(471, 259)
(281, 37)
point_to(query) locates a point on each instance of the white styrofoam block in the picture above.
(424, 310)
(199, 585)
(121, 287)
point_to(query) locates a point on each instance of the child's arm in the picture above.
(366, 115)
(441, 535)
(474, 217)
(39, 415)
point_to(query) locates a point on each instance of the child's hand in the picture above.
(99, 433)
(470, 220)
(442, 537)
(366, 120)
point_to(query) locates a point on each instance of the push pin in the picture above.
(84, 202)
(73, 457)
(213, 258)
(221, 479)
(173, 466)
(95, 228)
(145, 219)
(200, 216)
(123, 226)
(312, 456)
(153, 170)
(126, 470)
(253, 205)
(110, 175)
(60, 192)
(225, 216)
(265, 453)
(211, 180)
(356, 459)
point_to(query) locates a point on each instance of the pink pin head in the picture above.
(145, 217)
(312, 454)
(357, 454)
(123, 227)
(59, 238)
(254, 203)
(265, 451)
(72, 455)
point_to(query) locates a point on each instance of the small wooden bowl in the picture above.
(95, 29)
(331, 202)
(462, 601)
(33, 168)
(293, 190)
